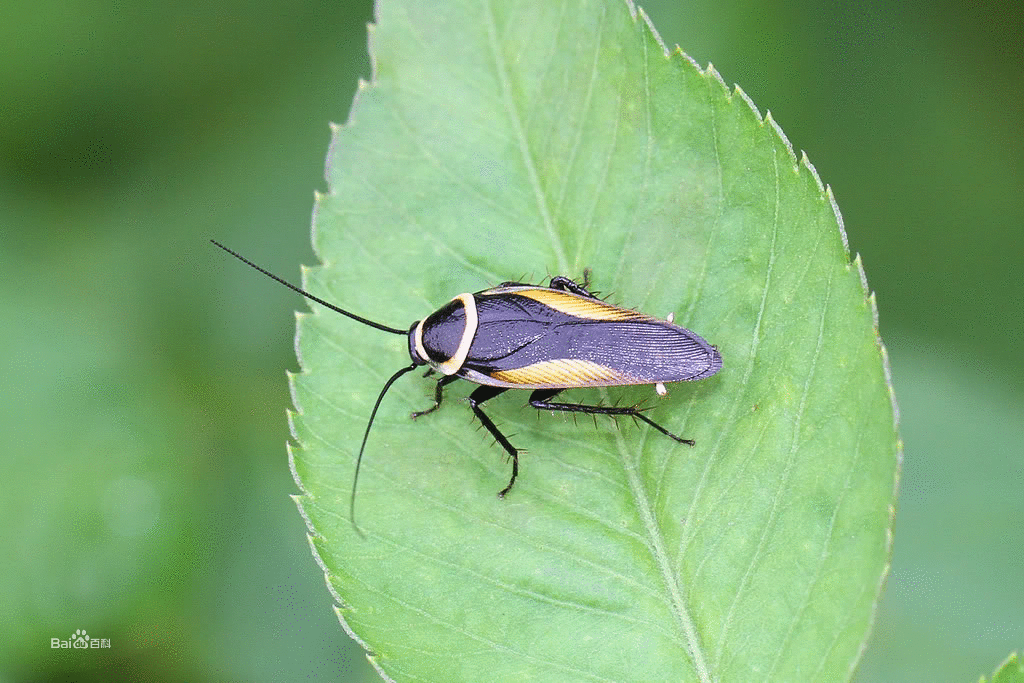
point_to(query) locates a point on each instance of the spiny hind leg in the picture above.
(540, 400)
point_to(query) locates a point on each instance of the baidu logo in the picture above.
(79, 640)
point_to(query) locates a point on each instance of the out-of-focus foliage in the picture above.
(143, 422)
(1010, 671)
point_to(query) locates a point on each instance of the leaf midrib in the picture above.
(657, 544)
(501, 71)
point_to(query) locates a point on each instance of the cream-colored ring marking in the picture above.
(421, 350)
(418, 339)
(453, 364)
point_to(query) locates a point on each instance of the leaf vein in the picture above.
(515, 119)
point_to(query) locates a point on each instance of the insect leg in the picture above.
(438, 395)
(485, 393)
(540, 400)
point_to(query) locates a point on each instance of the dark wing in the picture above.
(534, 338)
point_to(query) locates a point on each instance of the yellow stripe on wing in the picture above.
(580, 307)
(564, 372)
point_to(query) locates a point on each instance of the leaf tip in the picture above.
(293, 467)
(887, 372)
(635, 11)
(340, 611)
(711, 71)
(750, 103)
(311, 530)
(839, 217)
(691, 60)
(806, 163)
(770, 120)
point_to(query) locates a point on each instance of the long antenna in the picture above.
(366, 435)
(384, 328)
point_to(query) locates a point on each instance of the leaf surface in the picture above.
(513, 141)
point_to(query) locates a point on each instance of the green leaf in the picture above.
(1010, 671)
(502, 141)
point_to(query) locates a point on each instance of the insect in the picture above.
(546, 339)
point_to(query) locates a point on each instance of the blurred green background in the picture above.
(143, 425)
